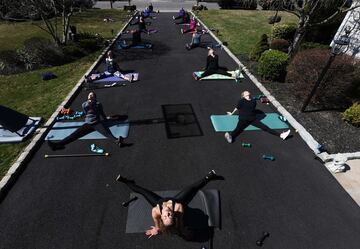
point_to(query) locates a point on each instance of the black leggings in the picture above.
(86, 129)
(242, 124)
(183, 197)
(220, 70)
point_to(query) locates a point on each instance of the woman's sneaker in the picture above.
(285, 134)
(213, 176)
(228, 137)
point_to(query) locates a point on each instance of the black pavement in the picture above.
(76, 203)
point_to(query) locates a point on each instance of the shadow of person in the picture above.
(196, 227)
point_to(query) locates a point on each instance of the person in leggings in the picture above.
(212, 66)
(247, 116)
(95, 120)
(167, 212)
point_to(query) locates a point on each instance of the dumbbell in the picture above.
(260, 242)
(248, 145)
(268, 157)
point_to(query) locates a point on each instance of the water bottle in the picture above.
(247, 145)
(268, 157)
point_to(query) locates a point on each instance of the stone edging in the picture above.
(304, 134)
(20, 163)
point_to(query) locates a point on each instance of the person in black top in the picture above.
(246, 108)
(212, 66)
(141, 24)
(167, 213)
(95, 120)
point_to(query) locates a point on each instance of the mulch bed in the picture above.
(326, 126)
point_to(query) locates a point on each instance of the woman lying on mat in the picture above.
(212, 66)
(247, 116)
(112, 68)
(192, 26)
(95, 120)
(167, 213)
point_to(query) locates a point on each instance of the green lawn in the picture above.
(26, 92)
(13, 34)
(241, 29)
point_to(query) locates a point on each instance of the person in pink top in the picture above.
(192, 26)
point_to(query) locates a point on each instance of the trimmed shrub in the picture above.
(340, 86)
(238, 4)
(352, 115)
(272, 65)
(73, 51)
(10, 63)
(261, 46)
(38, 52)
(280, 44)
(284, 31)
(311, 45)
(89, 45)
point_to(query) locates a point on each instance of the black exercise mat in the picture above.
(181, 121)
(203, 211)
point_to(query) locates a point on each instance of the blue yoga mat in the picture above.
(141, 46)
(115, 79)
(224, 123)
(63, 129)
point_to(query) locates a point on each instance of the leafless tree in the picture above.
(306, 10)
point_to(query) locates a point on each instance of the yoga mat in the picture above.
(7, 136)
(224, 123)
(204, 211)
(121, 45)
(218, 76)
(115, 79)
(61, 130)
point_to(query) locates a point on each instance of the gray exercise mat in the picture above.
(205, 207)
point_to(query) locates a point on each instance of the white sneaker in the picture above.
(228, 137)
(285, 134)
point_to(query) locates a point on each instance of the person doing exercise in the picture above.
(167, 213)
(212, 66)
(247, 116)
(113, 68)
(141, 25)
(192, 26)
(95, 120)
(180, 15)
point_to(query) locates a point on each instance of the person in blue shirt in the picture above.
(95, 120)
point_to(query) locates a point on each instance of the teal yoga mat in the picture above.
(217, 76)
(224, 123)
(63, 129)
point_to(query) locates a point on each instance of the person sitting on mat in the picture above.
(112, 68)
(192, 26)
(185, 19)
(95, 120)
(141, 25)
(247, 116)
(167, 213)
(212, 66)
(180, 15)
(195, 40)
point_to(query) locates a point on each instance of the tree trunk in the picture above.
(299, 36)
(111, 4)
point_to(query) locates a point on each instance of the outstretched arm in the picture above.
(154, 230)
(231, 113)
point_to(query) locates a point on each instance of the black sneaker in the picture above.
(213, 176)
(119, 141)
(120, 178)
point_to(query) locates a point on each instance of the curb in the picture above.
(13, 173)
(304, 134)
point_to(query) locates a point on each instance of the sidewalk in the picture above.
(162, 5)
(350, 180)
